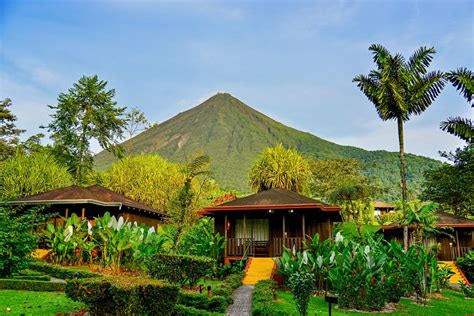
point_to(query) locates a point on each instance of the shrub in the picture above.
(302, 287)
(32, 277)
(17, 238)
(60, 272)
(466, 264)
(31, 285)
(262, 299)
(467, 290)
(182, 310)
(227, 287)
(124, 296)
(204, 302)
(179, 269)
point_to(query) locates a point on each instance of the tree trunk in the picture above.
(403, 176)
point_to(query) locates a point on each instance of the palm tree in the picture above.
(400, 89)
(463, 80)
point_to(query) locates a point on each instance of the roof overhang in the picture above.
(213, 209)
(392, 227)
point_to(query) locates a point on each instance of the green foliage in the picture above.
(149, 179)
(355, 202)
(180, 269)
(135, 121)
(86, 112)
(452, 185)
(24, 175)
(182, 310)
(262, 299)
(8, 131)
(59, 271)
(128, 296)
(234, 135)
(466, 289)
(463, 80)
(31, 285)
(111, 242)
(203, 302)
(228, 286)
(17, 238)
(423, 221)
(282, 168)
(466, 264)
(302, 287)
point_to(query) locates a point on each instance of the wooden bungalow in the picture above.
(90, 202)
(450, 247)
(260, 225)
(382, 208)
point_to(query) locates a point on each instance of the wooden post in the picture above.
(283, 239)
(330, 229)
(67, 212)
(304, 226)
(83, 213)
(225, 236)
(245, 234)
(457, 244)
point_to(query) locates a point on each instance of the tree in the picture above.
(24, 175)
(452, 185)
(17, 238)
(135, 121)
(355, 202)
(181, 207)
(328, 175)
(400, 89)
(8, 131)
(33, 145)
(463, 80)
(278, 167)
(86, 112)
(149, 179)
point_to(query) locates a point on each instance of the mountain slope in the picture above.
(233, 134)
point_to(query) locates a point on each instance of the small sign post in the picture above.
(331, 299)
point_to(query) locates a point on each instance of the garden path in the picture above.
(242, 301)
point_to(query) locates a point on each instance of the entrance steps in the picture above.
(458, 275)
(258, 269)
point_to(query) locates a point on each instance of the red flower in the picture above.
(372, 282)
(353, 273)
(384, 279)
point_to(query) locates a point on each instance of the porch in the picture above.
(241, 247)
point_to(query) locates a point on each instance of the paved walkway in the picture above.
(242, 301)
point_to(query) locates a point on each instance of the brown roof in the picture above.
(379, 204)
(94, 194)
(445, 220)
(272, 199)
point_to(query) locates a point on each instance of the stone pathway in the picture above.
(242, 301)
(56, 280)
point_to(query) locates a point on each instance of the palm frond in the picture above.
(368, 85)
(420, 60)
(460, 127)
(424, 91)
(463, 80)
(381, 55)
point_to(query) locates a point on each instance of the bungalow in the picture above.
(262, 224)
(458, 240)
(90, 202)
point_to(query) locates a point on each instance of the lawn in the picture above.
(451, 303)
(36, 303)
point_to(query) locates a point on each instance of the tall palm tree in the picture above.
(463, 80)
(400, 89)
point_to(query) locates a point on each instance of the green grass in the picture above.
(451, 303)
(36, 303)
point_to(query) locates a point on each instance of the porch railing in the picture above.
(237, 247)
(459, 253)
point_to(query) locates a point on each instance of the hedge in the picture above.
(204, 302)
(31, 285)
(124, 295)
(60, 272)
(228, 286)
(32, 277)
(262, 299)
(182, 310)
(179, 269)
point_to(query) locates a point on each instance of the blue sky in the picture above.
(292, 60)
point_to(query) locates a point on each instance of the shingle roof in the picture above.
(446, 219)
(379, 204)
(273, 199)
(94, 194)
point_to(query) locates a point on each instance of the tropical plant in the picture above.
(278, 167)
(8, 131)
(149, 179)
(86, 112)
(17, 237)
(23, 175)
(466, 264)
(355, 202)
(302, 287)
(463, 80)
(181, 207)
(135, 121)
(400, 89)
(466, 289)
